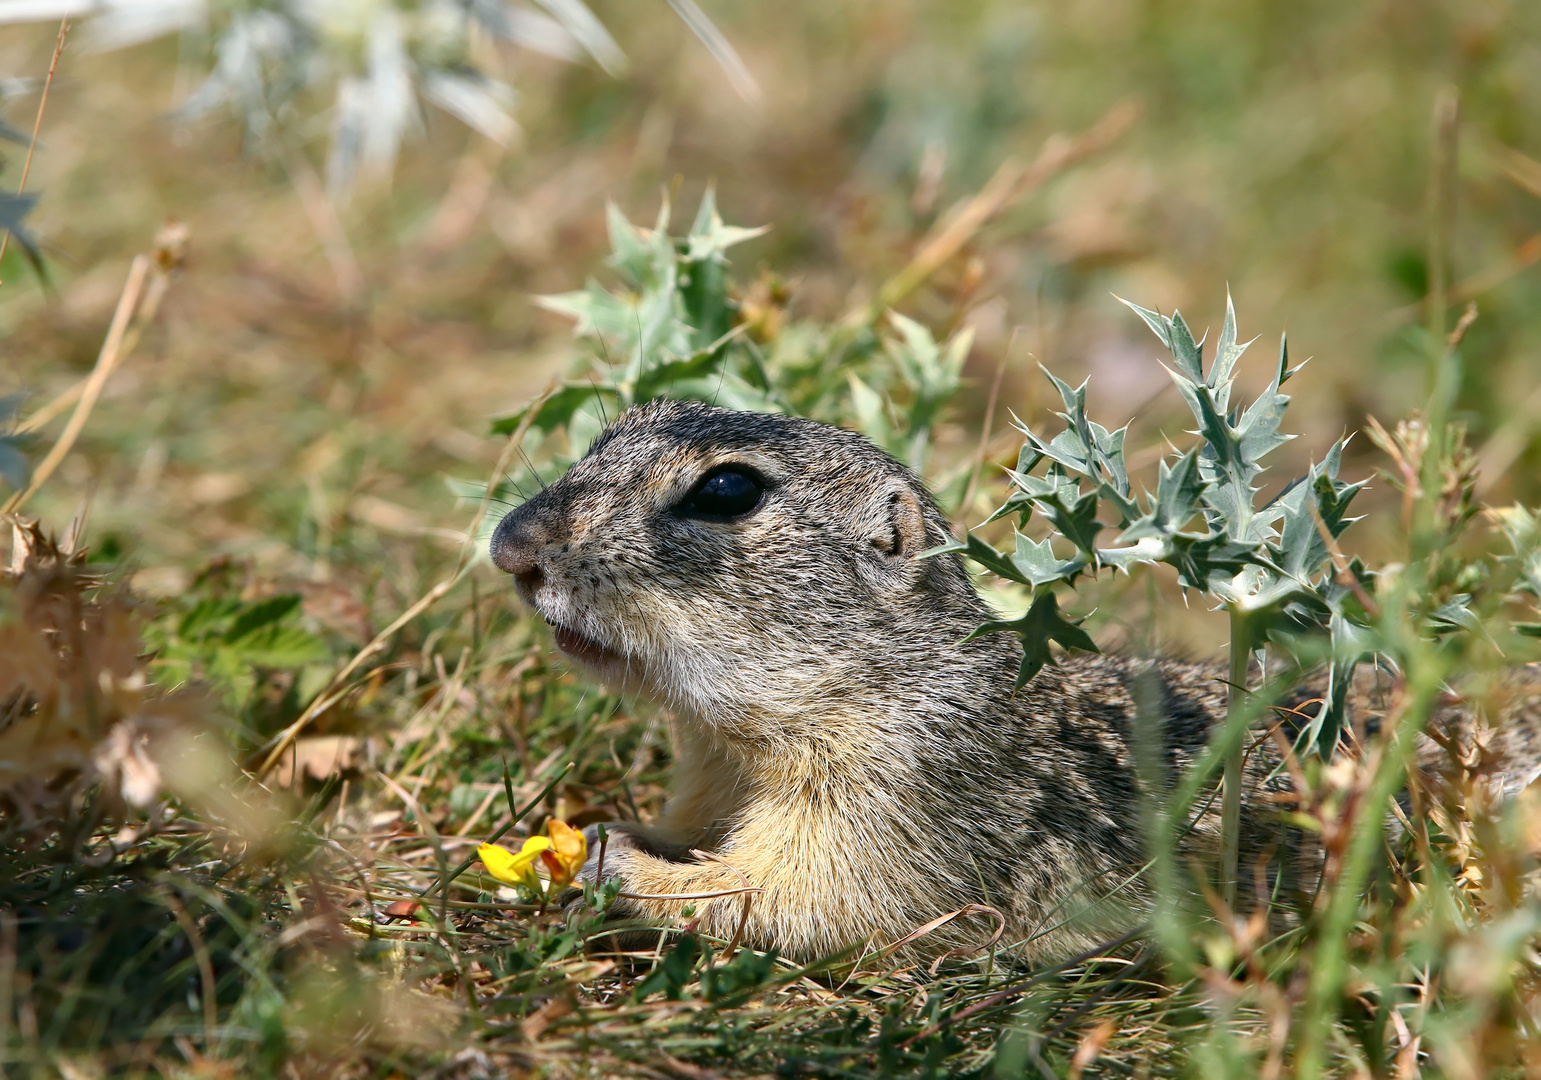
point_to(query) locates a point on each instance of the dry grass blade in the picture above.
(1010, 184)
(750, 889)
(205, 966)
(106, 361)
(276, 747)
(720, 47)
(1023, 984)
(37, 124)
(941, 921)
(743, 919)
(168, 255)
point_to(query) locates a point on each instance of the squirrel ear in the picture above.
(901, 532)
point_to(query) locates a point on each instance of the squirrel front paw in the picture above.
(613, 860)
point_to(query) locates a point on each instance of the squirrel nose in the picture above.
(516, 545)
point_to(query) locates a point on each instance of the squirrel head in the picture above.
(738, 565)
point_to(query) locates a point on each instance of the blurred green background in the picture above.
(322, 366)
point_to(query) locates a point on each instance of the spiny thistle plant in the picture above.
(1265, 564)
(676, 327)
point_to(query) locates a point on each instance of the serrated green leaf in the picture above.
(871, 416)
(1159, 324)
(709, 238)
(658, 379)
(1186, 351)
(631, 254)
(1041, 624)
(982, 553)
(1227, 351)
(594, 309)
(1039, 565)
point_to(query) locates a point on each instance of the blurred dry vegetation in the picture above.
(289, 455)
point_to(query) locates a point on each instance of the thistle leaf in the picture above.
(1042, 624)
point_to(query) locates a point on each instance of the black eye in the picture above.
(727, 492)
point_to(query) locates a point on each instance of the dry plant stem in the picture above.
(147, 311)
(753, 889)
(281, 742)
(106, 361)
(37, 124)
(1009, 185)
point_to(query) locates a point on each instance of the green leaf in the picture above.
(658, 379)
(709, 237)
(1042, 624)
(1227, 352)
(13, 212)
(277, 646)
(207, 617)
(982, 553)
(633, 255)
(1522, 528)
(597, 312)
(262, 614)
(871, 415)
(556, 411)
(1039, 565)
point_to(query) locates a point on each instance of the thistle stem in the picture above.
(1230, 804)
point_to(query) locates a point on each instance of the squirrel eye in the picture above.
(726, 492)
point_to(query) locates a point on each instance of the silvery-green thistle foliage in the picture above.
(1268, 564)
(669, 326)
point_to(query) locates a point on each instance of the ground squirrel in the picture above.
(839, 743)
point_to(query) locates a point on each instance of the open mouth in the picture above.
(584, 649)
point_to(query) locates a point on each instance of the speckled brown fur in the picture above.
(838, 742)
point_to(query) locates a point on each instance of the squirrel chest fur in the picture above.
(841, 746)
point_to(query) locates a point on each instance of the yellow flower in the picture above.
(514, 869)
(566, 853)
